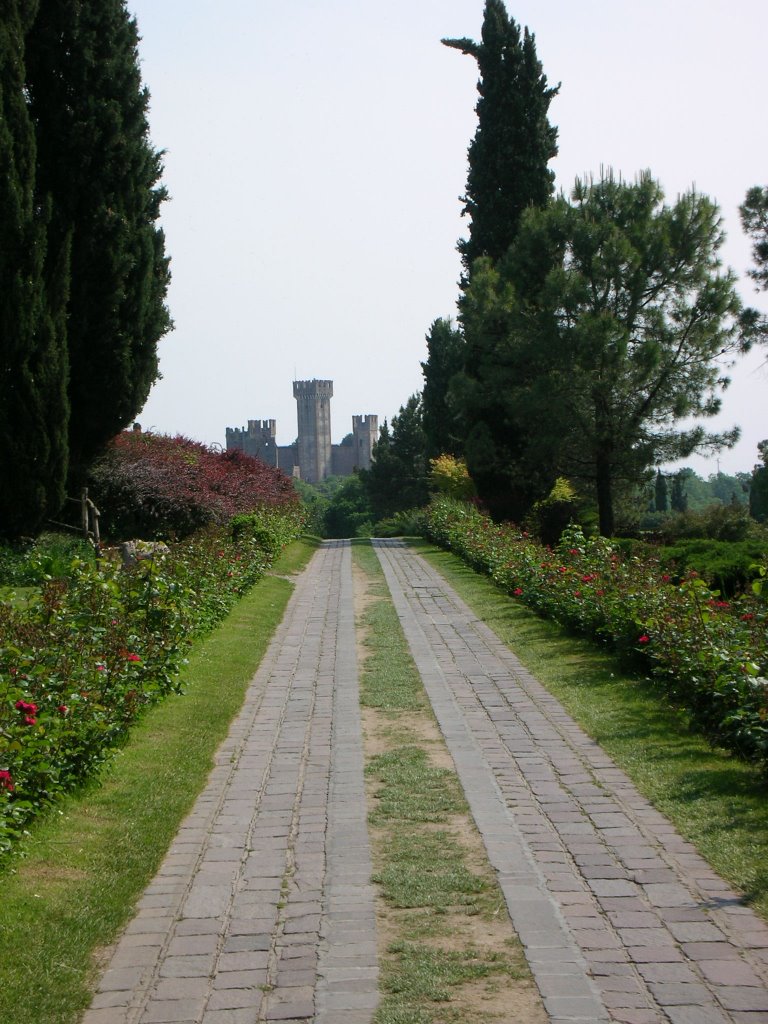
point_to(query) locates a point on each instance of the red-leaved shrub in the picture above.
(156, 486)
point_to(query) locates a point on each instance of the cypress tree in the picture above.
(514, 141)
(445, 359)
(33, 279)
(662, 492)
(95, 159)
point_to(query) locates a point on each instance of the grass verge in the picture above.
(448, 951)
(715, 801)
(88, 861)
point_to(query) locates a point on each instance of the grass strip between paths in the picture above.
(447, 948)
(715, 801)
(90, 858)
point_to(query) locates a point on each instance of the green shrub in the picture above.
(728, 566)
(51, 555)
(716, 522)
(411, 523)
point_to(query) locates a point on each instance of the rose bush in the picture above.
(710, 655)
(82, 657)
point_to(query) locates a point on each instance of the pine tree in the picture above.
(591, 373)
(514, 141)
(95, 160)
(33, 278)
(754, 220)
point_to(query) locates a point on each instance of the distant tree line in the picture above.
(83, 270)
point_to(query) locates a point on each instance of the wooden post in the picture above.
(84, 511)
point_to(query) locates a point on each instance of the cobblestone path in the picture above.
(620, 918)
(263, 909)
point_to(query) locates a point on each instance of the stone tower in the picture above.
(365, 432)
(313, 398)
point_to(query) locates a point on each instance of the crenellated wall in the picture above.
(313, 457)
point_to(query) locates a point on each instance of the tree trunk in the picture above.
(604, 491)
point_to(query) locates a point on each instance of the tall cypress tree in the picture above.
(33, 277)
(514, 141)
(445, 358)
(95, 159)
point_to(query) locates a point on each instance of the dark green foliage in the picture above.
(679, 499)
(758, 492)
(595, 336)
(95, 160)
(514, 142)
(716, 522)
(349, 513)
(661, 493)
(754, 220)
(727, 565)
(445, 359)
(33, 275)
(397, 479)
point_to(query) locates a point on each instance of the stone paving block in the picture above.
(742, 998)
(172, 1011)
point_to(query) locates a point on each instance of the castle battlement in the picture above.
(313, 389)
(314, 457)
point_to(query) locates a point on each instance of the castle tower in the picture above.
(313, 398)
(258, 440)
(365, 432)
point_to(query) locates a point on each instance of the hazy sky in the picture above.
(315, 152)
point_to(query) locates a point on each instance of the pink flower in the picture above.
(517, 591)
(26, 707)
(6, 782)
(132, 657)
(644, 639)
(100, 667)
(30, 720)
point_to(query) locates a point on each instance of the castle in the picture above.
(312, 457)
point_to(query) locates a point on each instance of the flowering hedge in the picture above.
(81, 658)
(710, 655)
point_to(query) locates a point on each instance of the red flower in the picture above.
(577, 593)
(27, 708)
(132, 657)
(644, 639)
(666, 578)
(63, 709)
(517, 591)
(574, 551)
(30, 720)
(747, 616)
(6, 782)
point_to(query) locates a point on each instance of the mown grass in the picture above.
(716, 802)
(422, 865)
(87, 862)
